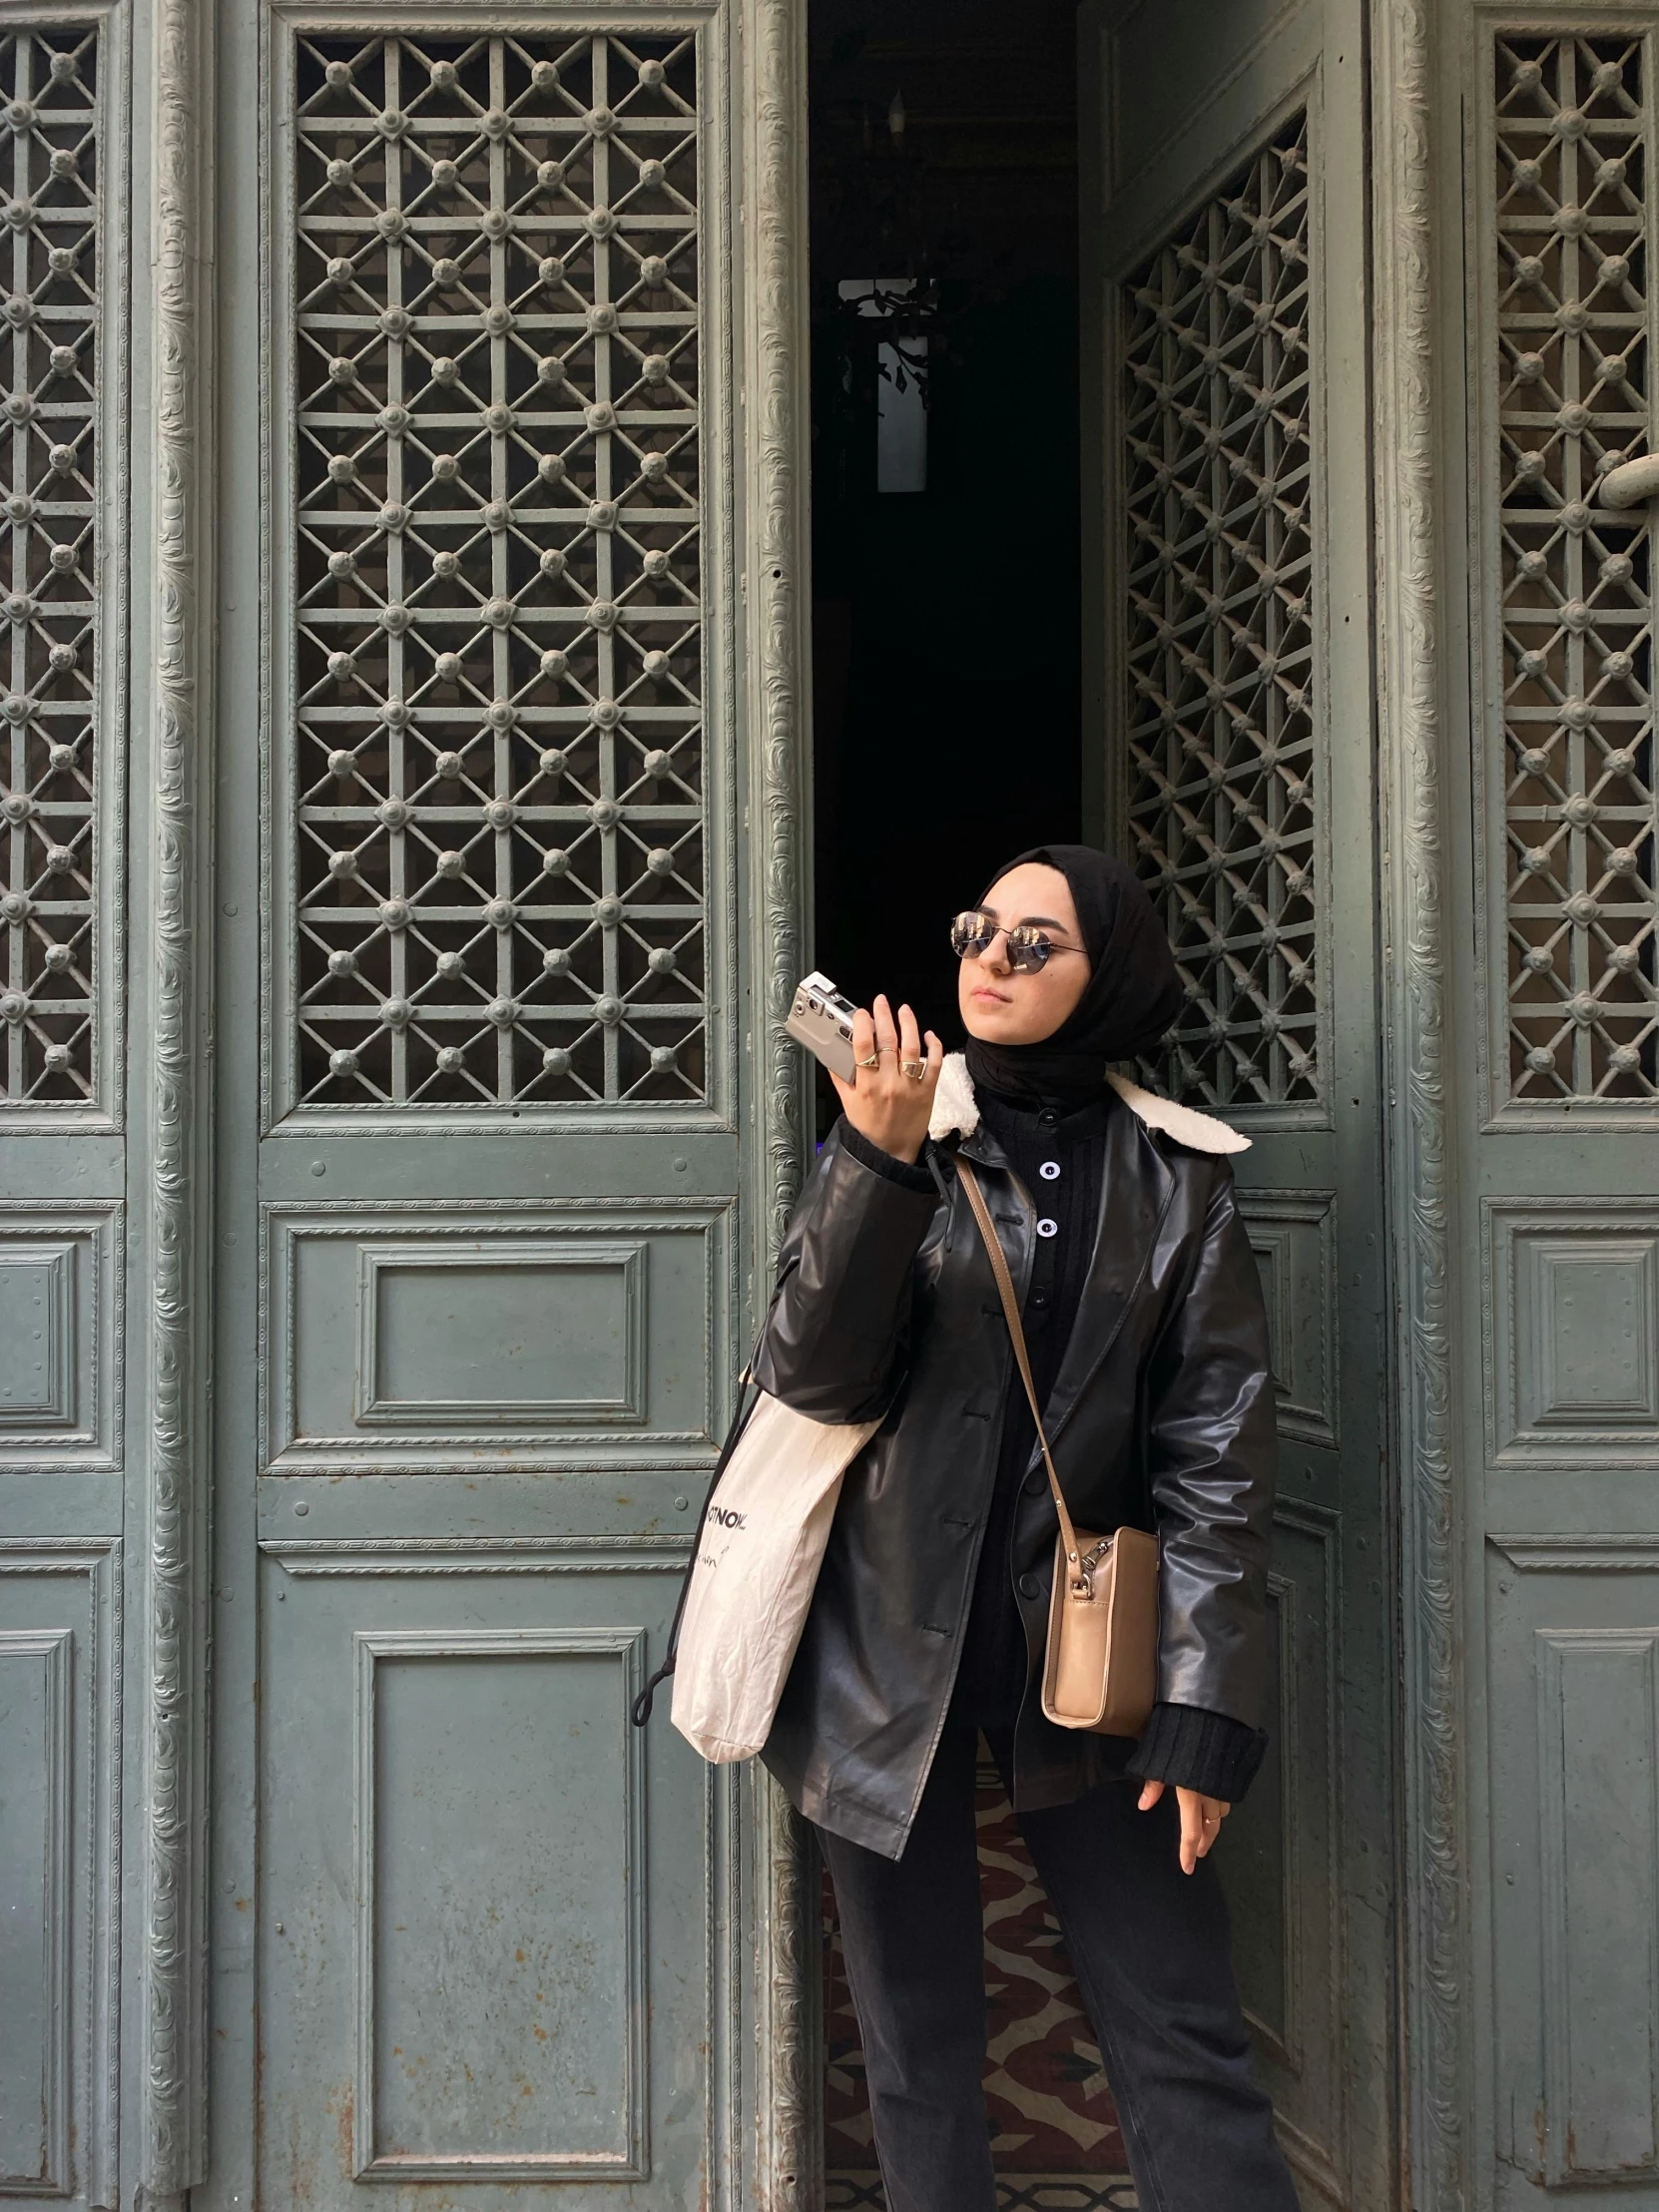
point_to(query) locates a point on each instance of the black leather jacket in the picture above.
(1162, 1415)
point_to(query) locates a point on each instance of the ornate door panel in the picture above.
(1232, 569)
(63, 1104)
(1559, 1139)
(486, 1043)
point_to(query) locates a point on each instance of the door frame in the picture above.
(1409, 129)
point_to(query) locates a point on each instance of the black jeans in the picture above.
(1150, 1948)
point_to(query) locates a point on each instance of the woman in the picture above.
(1143, 1313)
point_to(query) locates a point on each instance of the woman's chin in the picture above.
(992, 1031)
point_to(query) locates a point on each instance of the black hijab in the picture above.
(1132, 996)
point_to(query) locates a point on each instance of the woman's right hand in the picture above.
(883, 1104)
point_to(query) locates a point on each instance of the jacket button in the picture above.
(1048, 1118)
(1035, 1483)
(1029, 1585)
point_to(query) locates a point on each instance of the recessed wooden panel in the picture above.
(543, 1328)
(60, 1867)
(1278, 1857)
(1575, 1842)
(34, 1908)
(59, 1371)
(1574, 1322)
(501, 1986)
(1292, 1234)
(37, 1320)
(1599, 1839)
(501, 1336)
(479, 1964)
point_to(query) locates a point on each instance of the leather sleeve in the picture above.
(1212, 1461)
(837, 1337)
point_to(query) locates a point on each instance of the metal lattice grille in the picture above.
(1577, 734)
(499, 598)
(48, 409)
(1222, 801)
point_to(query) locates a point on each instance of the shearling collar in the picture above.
(956, 1112)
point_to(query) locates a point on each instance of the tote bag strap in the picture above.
(640, 1711)
(1011, 1311)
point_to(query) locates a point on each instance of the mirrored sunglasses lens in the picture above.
(1027, 950)
(970, 934)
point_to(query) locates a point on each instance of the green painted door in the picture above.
(1554, 1081)
(1225, 218)
(487, 1036)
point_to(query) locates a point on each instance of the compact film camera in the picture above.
(821, 1020)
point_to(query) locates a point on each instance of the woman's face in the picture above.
(1000, 1006)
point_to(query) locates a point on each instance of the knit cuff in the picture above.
(910, 1175)
(1192, 1749)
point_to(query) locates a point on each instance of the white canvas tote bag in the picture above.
(751, 1577)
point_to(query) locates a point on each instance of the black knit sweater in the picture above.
(1059, 1158)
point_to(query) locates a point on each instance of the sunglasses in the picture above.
(972, 934)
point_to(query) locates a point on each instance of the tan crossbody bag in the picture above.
(1100, 1670)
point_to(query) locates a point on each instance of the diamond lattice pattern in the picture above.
(1223, 795)
(499, 597)
(1578, 757)
(48, 428)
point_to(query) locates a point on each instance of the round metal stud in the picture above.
(342, 1061)
(555, 1060)
(395, 913)
(451, 1059)
(342, 964)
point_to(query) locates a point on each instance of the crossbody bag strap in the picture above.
(1010, 1310)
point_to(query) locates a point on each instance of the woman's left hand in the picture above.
(1201, 1819)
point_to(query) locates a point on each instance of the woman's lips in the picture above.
(997, 998)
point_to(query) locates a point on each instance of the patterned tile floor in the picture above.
(1054, 2133)
(861, 2192)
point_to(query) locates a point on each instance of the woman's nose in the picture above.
(995, 954)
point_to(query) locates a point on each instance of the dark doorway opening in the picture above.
(948, 704)
(946, 466)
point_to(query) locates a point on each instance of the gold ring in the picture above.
(915, 1069)
(874, 1061)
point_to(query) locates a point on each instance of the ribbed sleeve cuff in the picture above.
(909, 1175)
(1192, 1749)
